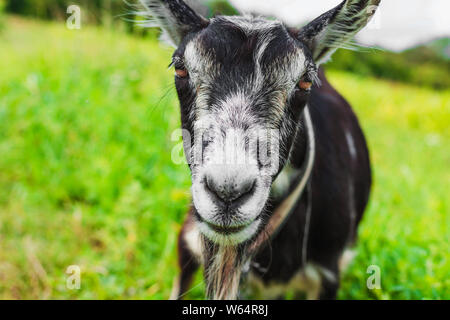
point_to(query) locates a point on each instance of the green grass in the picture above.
(86, 178)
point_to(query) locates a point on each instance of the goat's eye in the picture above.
(305, 84)
(180, 69)
(306, 81)
(181, 73)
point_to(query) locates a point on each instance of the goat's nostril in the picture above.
(247, 187)
(229, 192)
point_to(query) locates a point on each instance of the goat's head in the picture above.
(242, 83)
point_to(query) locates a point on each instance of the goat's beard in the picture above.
(223, 269)
(224, 262)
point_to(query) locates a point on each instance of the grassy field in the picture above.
(86, 177)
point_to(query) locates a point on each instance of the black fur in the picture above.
(330, 231)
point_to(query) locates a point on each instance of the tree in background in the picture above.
(2, 8)
(101, 11)
(110, 13)
(433, 58)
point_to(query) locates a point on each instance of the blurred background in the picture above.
(86, 177)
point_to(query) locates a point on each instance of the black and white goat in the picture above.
(260, 229)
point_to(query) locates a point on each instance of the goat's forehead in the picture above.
(248, 24)
(231, 40)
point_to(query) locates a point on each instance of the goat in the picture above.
(262, 227)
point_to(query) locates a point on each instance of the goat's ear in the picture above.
(336, 28)
(174, 17)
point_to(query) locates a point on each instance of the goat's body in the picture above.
(337, 195)
(339, 191)
(280, 168)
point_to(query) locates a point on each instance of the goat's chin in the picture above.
(229, 239)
